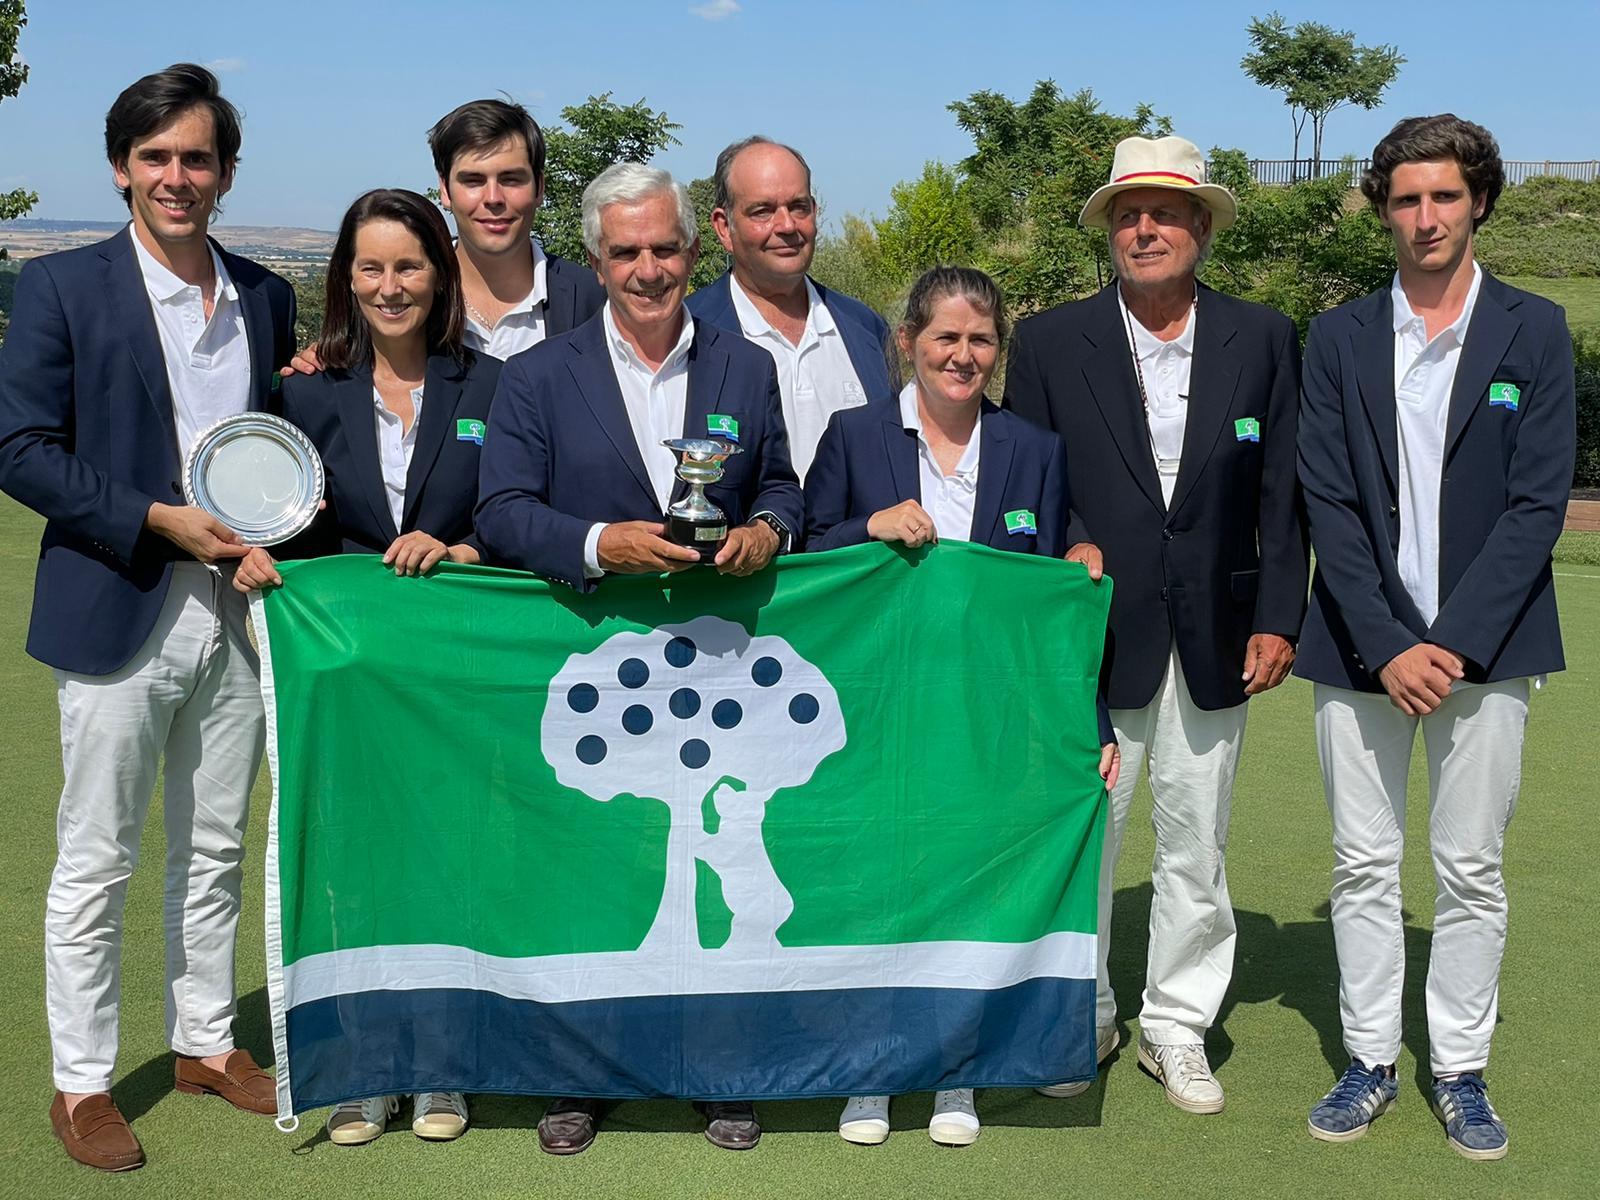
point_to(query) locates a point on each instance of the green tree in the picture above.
(13, 74)
(598, 132)
(713, 262)
(310, 297)
(1318, 69)
(930, 223)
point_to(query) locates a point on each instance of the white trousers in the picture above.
(1474, 746)
(1192, 755)
(190, 694)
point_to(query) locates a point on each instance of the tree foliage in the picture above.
(597, 133)
(1011, 208)
(13, 74)
(1318, 69)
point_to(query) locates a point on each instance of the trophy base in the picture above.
(706, 537)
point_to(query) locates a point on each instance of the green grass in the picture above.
(1276, 1045)
(1580, 547)
(1579, 296)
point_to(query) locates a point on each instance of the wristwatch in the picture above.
(777, 527)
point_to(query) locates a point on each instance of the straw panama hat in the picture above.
(1167, 162)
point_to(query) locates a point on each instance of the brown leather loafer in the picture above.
(240, 1082)
(732, 1125)
(97, 1134)
(567, 1126)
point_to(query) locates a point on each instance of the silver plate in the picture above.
(257, 474)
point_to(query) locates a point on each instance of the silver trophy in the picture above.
(694, 521)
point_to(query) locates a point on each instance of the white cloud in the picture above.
(715, 10)
(224, 65)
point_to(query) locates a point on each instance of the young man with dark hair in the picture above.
(119, 355)
(490, 156)
(1436, 453)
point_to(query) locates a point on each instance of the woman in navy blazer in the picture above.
(398, 412)
(1000, 481)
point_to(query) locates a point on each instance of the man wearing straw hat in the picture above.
(1177, 405)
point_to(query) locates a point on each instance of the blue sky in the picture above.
(337, 96)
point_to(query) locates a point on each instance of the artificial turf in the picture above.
(1276, 1046)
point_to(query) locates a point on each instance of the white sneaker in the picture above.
(1107, 1041)
(357, 1122)
(865, 1120)
(1185, 1073)
(439, 1116)
(955, 1120)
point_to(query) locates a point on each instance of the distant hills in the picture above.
(285, 249)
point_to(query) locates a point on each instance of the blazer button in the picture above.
(1393, 511)
(176, 490)
(1163, 593)
(1168, 534)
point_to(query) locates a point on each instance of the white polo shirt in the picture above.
(395, 448)
(1165, 367)
(522, 326)
(208, 362)
(656, 399)
(815, 377)
(1424, 376)
(948, 499)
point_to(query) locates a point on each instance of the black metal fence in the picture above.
(1279, 171)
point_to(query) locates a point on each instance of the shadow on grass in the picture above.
(148, 1084)
(1292, 963)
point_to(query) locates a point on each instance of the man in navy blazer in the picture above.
(574, 480)
(1436, 452)
(832, 352)
(1177, 405)
(118, 356)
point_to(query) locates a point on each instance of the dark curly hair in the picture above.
(1426, 139)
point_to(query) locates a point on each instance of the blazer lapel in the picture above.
(258, 333)
(1489, 336)
(708, 366)
(1373, 347)
(597, 383)
(560, 302)
(1213, 376)
(354, 399)
(441, 392)
(1108, 369)
(994, 472)
(127, 293)
(900, 444)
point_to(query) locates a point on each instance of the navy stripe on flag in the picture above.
(769, 1045)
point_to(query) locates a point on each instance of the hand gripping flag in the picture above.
(830, 830)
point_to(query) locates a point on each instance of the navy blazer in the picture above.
(865, 333)
(335, 408)
(1502, 494)
(560, 453)
(1227, 559)
(572, 294)
(867, 461)
(88, 439)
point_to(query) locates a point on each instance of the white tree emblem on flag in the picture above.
(694, 714)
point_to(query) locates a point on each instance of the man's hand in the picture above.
(1110, 764)
(414, 553)
(256, 570)
(1419, 679)
(194, 531)
(464, 554)
(748, 549)
(637, 548)
(1089, 555)
(304, 362)
(1267, 659)
(907, 522)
